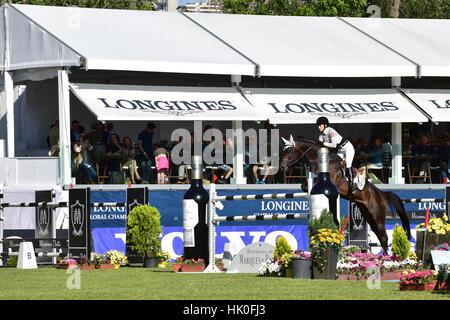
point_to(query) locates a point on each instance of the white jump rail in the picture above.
(213, 218)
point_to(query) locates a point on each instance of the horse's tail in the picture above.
(396, 204)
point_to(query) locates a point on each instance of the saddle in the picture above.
(358, 180)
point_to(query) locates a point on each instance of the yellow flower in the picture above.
(444, 217)
(322, 239)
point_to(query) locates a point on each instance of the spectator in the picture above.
(145, 144)
(109, 132)
(113, 155)
(98, 139)
(74, 131)
(53, 136)
(265, 164)
(162, 164)
(426, 150)
(226, 170)
(82, 149)
(443, 154)
(129, 158)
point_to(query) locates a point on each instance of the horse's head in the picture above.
(289, 155)
(295, 150)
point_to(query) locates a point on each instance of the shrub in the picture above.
(282, 248)
(325, 221)
(144, 229)
(400, 243)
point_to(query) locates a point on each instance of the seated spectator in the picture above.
(225, 170)
(443, 154)
(129, 158)
(98, 139)
(263, 163)
(162, 163)
(113, 156)
(426, 150)
(376, 157)
(81, 160)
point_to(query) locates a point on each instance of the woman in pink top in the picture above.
(162, 164)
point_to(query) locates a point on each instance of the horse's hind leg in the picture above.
(383, 237)
(377, 227)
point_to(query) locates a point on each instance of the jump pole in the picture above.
(213, 218)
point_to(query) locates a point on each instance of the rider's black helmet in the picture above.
(322, 120)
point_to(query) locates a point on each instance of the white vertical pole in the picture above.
(396, 134)
(64, 127)
(238, 154)
(396, 177)
(9, 103)
(212, 268)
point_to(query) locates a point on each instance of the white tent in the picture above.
(39, 42)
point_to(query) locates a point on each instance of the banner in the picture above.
(108, 224)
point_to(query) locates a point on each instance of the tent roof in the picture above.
(106, 39)
(125, 40)
(423, 41)
(305, 46)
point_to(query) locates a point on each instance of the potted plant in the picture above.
(437, 232)
(301, 264)
(143, 231)
(356, 265)
(66, 263)
(325, 247)
(117, 258)
(162, 256)
(193, 265)
(178, 264)
(418, 280)
(443, 277)
(85, 264)
(101, 261)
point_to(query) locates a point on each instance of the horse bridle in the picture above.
(303, 154)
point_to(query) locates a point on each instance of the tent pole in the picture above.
(396, 134)
(9, 103)
(64, 127)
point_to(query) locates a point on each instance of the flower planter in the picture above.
(387, 275)
(418, 286)
(67, 265)
(193, 268)
(177, 266)
(301, 268)
(104, 266)
(86, 267)
(150, 262)
(431, 241)
(330, 258)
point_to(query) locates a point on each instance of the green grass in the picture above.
(136, 283)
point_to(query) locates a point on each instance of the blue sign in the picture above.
(108, 224)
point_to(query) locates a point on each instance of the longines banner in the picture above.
(339, 105)
(433, 101)
(126, 102)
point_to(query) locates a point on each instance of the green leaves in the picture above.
(143, 230)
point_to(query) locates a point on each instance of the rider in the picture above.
(332, 139)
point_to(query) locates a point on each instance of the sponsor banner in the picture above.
(106, 239)
(169, 204)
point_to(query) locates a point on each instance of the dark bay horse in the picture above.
(371, 201)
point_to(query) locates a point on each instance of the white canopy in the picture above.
(305, 46)
(424, 41)
(434, 102)
(125, 102)
(202, 43)
(109, 39)
(338, 105)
